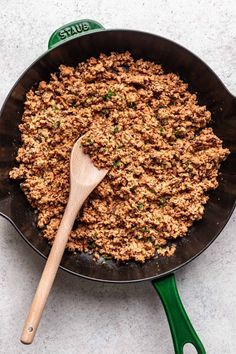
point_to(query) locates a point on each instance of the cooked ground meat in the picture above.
(145, 127)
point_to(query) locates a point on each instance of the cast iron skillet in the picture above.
(75, 47)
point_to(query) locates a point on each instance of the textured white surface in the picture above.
(91, 318)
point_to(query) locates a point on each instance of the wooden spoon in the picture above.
(84, 177)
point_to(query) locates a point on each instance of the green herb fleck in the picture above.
(116, 129)
(88, 142)
(188, 165)
(145, 229)
(74, 104)
(133, 189)
(152, 190)
(104, 149)
(132, 105)
(174, 103)
(149, 239)
(162, 200)
(106, 257)
(116, 163)
(108, 95)
(162, 107)
(178, 134)
(161, 130)
(56, 124)
(105, 112)
(140, 206)
(91, 244)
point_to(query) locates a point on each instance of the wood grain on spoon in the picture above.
(84, 177)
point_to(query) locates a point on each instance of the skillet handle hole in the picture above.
(189, 349)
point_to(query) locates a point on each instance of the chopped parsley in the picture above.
(108, 95)
(91, 244)
(106, 257)
(152, 190)
(116, 163)
(105, 112)
(162, 201)
(145, 229)
(116, 129)
(132, 105)
(104, 149)
(88, 142)
(178, 134)
(56, 124)
(133, 189)
(140, 206)
(188, 165)
(74, 104)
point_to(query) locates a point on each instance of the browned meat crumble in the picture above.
(141, 123)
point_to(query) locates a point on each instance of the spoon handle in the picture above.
(49, 273)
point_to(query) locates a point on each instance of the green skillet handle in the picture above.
(181, 329)
(72, 30)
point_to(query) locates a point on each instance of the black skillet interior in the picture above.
(174, 58)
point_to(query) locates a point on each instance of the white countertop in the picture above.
(94, 318)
